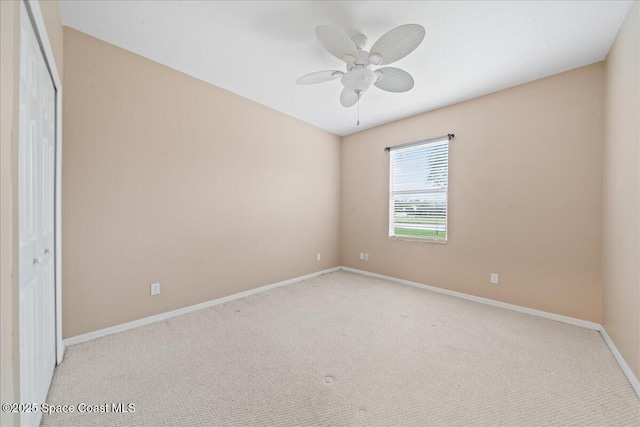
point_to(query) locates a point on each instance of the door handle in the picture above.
(36, 260)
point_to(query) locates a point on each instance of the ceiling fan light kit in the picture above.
(358, 78)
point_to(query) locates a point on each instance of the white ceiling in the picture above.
(259, 49)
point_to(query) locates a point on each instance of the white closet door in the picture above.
(36, 175)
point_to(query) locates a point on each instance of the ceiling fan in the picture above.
(358, 78)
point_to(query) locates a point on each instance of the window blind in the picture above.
(418, 193)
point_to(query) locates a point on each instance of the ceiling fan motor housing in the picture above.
(359, 80)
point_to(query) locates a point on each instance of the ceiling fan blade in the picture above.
(398, 43)
(394, 80)
(319, 77)
(336, 42)
(348, 98)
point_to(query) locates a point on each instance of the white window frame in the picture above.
(425, 190)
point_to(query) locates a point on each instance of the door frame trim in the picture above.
(37, 21)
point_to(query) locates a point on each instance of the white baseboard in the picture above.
(162, 316)
(565, 319)
(487, 301)
(635, 384)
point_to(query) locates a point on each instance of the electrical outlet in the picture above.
(494, 278)
(155, 289)
(318, 257)
(366, 257)
(361, 255)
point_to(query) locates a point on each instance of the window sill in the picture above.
(418, 239)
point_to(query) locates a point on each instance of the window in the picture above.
(419, 177)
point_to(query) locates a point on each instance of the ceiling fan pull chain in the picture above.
(358, 123)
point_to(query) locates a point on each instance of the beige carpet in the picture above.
(345, 349)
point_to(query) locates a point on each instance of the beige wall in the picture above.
(169, 179)
(53, 22)
(9, 87)
(524, 196)
(621, 218)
